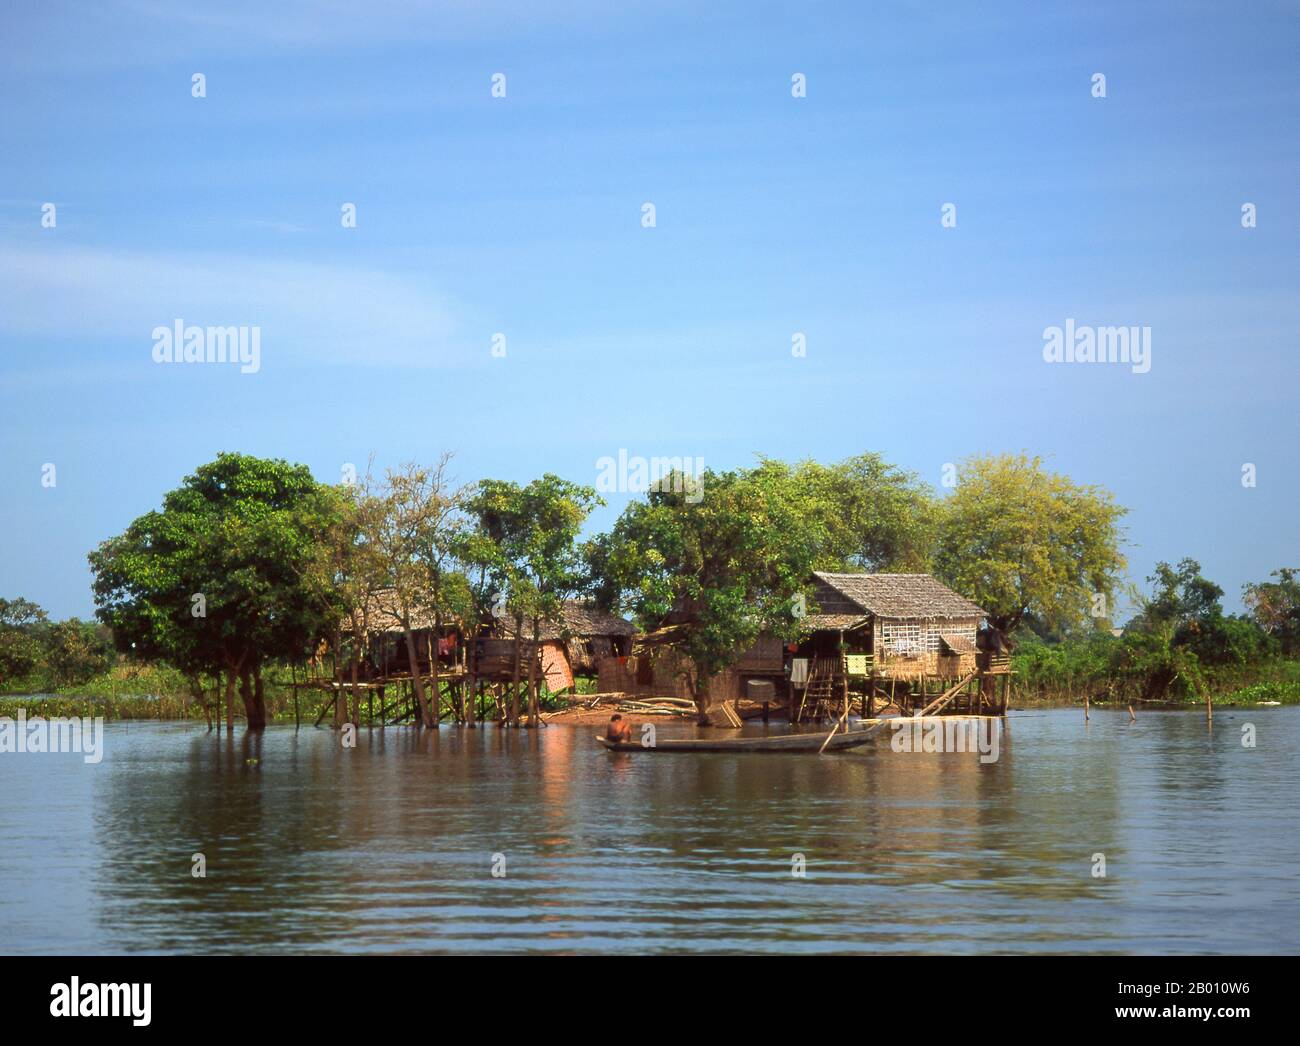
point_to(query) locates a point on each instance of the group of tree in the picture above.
(39, 654)
(1179, 644)
(252, 561)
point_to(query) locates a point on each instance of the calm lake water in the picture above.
(389, 847)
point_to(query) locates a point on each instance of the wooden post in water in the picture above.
(1085, 704)
(844, 676)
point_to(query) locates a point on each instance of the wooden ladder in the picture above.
(821, 685)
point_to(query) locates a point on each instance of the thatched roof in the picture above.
(583, 619)
(900, 595)
(579, 619)
(383, 614)
(833, 622)
(659, 637)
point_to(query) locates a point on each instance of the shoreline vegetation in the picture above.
(161, 694)
(248, 594)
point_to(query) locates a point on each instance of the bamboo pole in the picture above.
(834, 730)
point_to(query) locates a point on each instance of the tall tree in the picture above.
(22, 624)
(528, 540)
(213, 582)
(351, 569)
(1180, 595)
(721, 564)
(415, 533)
(1020, 540)
(868, 514)
(1275, 606)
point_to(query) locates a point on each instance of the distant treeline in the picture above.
(1179, 646)
(39, 654)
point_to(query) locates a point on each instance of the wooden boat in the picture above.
(839, 740)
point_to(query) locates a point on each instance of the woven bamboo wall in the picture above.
(615, 676)
(933, 666)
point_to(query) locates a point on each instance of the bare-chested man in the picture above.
(619, 729)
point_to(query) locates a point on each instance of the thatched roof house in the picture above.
(910, 624)
(570, 645)
(574, 645)
(903, 597)
(383, 614)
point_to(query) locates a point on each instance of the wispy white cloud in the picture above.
(309, 312)
(60, 35)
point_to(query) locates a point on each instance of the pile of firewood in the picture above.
(679, 706)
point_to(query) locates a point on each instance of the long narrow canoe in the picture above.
(773, 743)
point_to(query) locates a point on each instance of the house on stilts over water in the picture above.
(472, 661)
(874, 640)
(901, 639)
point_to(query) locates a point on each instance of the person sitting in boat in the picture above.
(619, 729)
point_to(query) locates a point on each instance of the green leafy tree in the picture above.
(1180, 641)
(866, 513)
(414, 531)
(22, 624)
(77, 651)
(1179, 595)
(1022, 541)
(215, 582)
(721, 564)
(528, 541)
(1275, 607)
(347, 567)
(1147, 665)
(1186, 609)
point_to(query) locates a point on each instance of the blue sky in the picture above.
(775, 215)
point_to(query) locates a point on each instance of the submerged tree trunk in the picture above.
(434, 685)
(246, 695)
(413, 658)
(253, 694)
(340, 701)
(357, 633)
(514, 685)
(232, 673)
(534, 718)
(471, 689)
(259, 695)
(202, 695)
